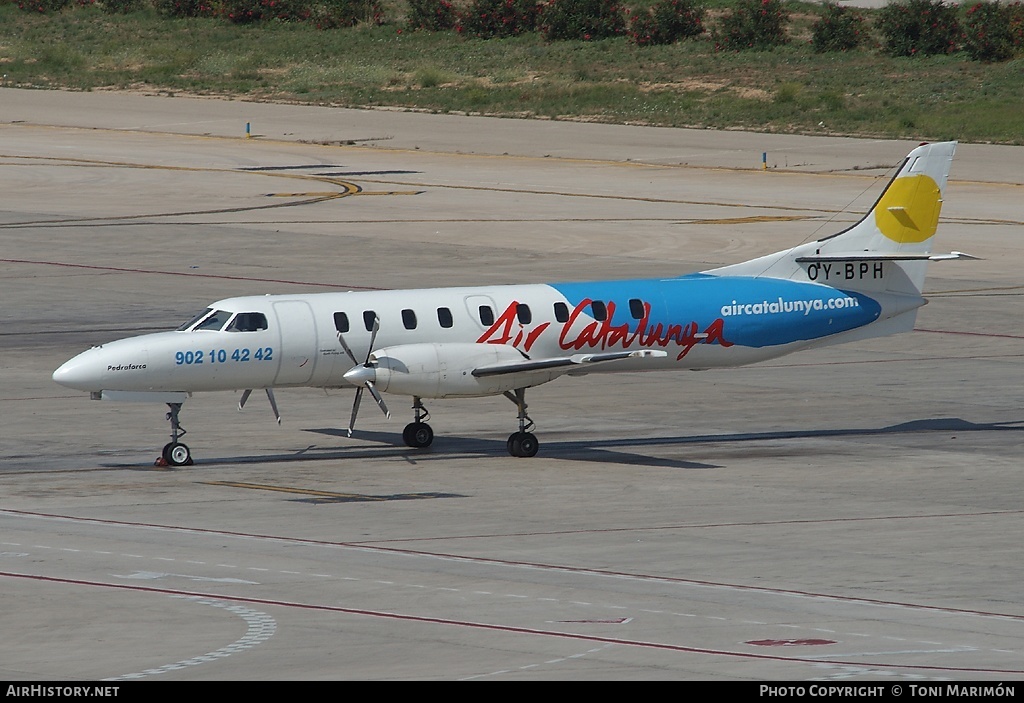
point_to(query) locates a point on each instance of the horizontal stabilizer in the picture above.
(881, 256)
(564, 361)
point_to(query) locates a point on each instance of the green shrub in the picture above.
(838, 29)
(42, 6)
(249, 11)
(334, 14)
(121, 7)
(286, 10)
(919, 27)
(753, 24)
(185, 8)
(498, 18)
(667, 22)
(431, 15)
(242, 11)
(989, 31)
(581, 19)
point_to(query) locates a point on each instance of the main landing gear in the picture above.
(522, 443)
(418, 434)
(174, 452)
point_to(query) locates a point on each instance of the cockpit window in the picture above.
(215, 321)
(195, 318)
(248, 322)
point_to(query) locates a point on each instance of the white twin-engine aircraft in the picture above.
(865, 281)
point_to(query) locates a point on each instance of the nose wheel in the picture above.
(175, 453)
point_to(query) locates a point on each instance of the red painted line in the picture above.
(697, 526)
(903, 360)
(187, 275)
(970, 334)
(543, 566)
(498, 628)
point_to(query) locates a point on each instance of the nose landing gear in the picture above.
(174, 452)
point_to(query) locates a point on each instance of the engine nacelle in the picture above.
(444, 370)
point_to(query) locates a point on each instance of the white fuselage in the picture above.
(699, 323)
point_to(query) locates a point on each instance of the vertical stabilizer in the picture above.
(885, 252)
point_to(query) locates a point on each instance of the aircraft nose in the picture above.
(81, 373)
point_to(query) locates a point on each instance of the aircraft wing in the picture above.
(562, 361)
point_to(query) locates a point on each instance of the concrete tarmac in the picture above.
(844, 514)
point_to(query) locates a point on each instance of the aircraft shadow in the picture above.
(449, 447)
(592, 449)
(610, 450)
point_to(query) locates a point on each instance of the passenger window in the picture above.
(248, 322)
(636, 308)
(523, 313)
(368, 318)
(409, 319)
(561, 312)
(486, 315)
(444, 317)
(599, 310)
(341, 322)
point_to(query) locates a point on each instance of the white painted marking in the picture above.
(261, 628)
(153, 575)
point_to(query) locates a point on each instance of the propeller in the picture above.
(363, 375)
(270, 397)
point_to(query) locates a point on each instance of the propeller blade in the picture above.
(380, 401)
(373, 338)
(270, 397)
(362, 375)
(355, 410)
(273, 405)
(348, 351)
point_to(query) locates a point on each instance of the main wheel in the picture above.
(417, 435)
(177, 454)
(523, 444)
(528, 445)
